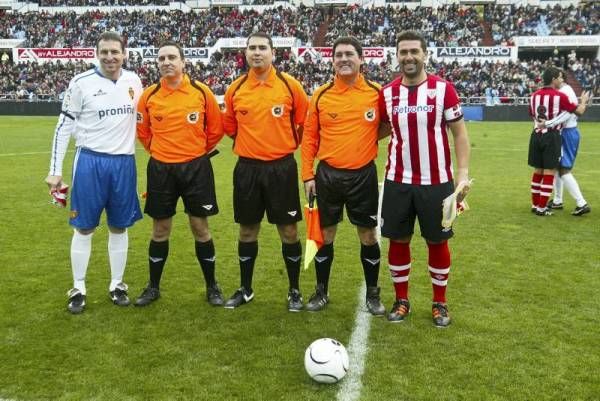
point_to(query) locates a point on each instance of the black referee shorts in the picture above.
(404, 203)
(357, 189)
(545, 149)
(270, 186)
(193, 181)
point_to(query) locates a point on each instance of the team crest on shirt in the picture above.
(193, 117)
(370, 115)
(431, 93)
(140, 118)
(277, 110)
(131, 93)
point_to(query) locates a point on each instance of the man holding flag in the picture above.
(341, 131)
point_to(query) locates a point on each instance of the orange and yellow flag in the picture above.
(314, 235)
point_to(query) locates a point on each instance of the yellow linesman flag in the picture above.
(314, 235)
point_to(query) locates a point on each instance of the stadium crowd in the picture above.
(147, 28)
(511, 20)
(478, 79)
(101, 3)
(448, 25)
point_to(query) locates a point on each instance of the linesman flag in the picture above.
(455, 204)
(314, 235)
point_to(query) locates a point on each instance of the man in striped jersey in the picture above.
(549, 108)
(569, 137)
(419, 174)
(99, 111)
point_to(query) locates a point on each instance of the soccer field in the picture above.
(523, 295)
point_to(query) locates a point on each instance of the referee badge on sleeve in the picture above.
(277, 110)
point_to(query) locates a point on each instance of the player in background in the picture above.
(564, 178)
(179, 123)
(265, 111)
(99, 112)
(341, 130)
(419, 173)
(549, 109)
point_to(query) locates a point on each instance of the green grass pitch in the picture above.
(523, 293)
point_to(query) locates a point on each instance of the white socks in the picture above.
(117, 254)
(571, 184)
(557, 198)
(81, 248)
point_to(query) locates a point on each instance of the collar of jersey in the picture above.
(184, 85)
(97, 69)
(253, 81)
(414, 86)
(343, 86)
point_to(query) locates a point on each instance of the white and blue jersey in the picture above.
(100, 114)
(569, 134)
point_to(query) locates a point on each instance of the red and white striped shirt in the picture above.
(547, 103)
(419, 152)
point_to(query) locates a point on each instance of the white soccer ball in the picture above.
(326, 360)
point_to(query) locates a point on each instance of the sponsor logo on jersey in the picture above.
(277, 110)
(370, 115)
(193, 117)
(333, 115)
(131, 92)
(125, 109)
(100, 93)
(243, 112)
(428, 108)
(140, 118)
(158, 118)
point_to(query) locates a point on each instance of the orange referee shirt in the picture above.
(264, 116)
(178, 125)
(341, 126)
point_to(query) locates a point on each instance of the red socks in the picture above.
(399, 261)
(439, 269)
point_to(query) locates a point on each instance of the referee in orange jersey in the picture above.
(341, 131)
(179, 123)
(265, 111)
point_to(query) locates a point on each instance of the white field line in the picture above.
(351, 386)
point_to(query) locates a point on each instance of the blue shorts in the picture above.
(102, 181)
(570, 145)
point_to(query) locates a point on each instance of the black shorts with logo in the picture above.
(404, 203)
(270, 186)
(193, 181)
(545, 149)
(357, 189)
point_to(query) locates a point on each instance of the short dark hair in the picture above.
(110, 36)
(549, 74)
(174, 44)
(411, 35)
(349, 40)
(260, 35)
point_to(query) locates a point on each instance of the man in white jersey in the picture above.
(570, 144)
(420, 108)
(99, 112)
